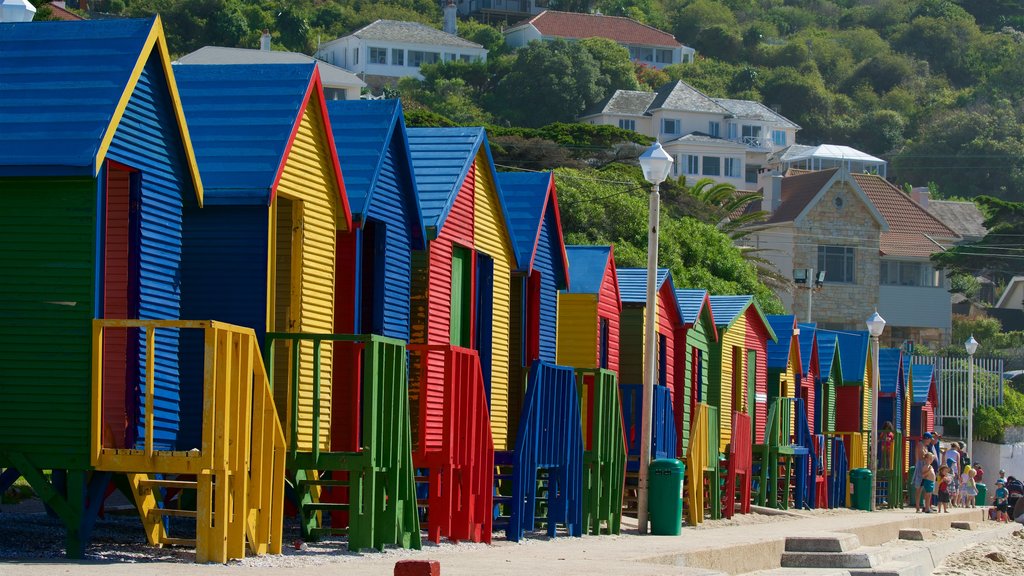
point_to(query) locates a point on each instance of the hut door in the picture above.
(751, 381)
(371, 280)
(285, 304)
(605, 334)
(462, 297)
(662, 360)
(532, 317)
(484, 315)
(121, 301)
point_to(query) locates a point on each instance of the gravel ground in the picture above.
(1003, 557)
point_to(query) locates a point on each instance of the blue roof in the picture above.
(363, 130)
(633, 283)
(808, 338)
(728, 308)
(853, 347)
(587, 265)
(526, 196)
(828, 348)
(778, 352)
(889, 360)
(922, 375)
(242, 118)
(690, 303)
(61, 86)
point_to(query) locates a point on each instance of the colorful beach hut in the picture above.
(461, 322)
(785, 366)
(853, 396)
(891, 410)
(810, 364)
(925, 399)
(544, 409)
(261, 254)
(588, 339)
(830, 373)
(95, 181)
(697, 334)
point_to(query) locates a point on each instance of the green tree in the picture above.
(617, 70)
(698, 15)
(802, 97)
(548, 82)
(720, 42)
(485, 35)
(999, 252)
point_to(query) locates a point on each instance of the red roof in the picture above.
(58, 12)
(900, 212)
(617, 28)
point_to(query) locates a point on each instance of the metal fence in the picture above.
(951, 376)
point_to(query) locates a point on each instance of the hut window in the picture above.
(605, 333)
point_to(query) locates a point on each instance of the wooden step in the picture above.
(174, 512)
(325, 506)
(168, 541)
(180, 484)
(323, 482)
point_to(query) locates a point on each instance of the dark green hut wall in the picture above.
(696, 338)
(47, 253)
(631, 343)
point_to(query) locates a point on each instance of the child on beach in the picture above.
(928, 482)
(970, 487)
(1002, 494)
(945, 480)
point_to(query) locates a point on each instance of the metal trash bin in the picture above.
(665, 501)
(860, 497)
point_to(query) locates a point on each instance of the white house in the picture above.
(501, 10)
(386, 50)
(339, 84)
(646, 45)
(723, 139)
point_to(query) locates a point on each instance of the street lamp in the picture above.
(875, 326)
(806, 276)
(655, 163)
(16, 11)
(972, 346)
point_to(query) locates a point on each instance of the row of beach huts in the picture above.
(235, 300)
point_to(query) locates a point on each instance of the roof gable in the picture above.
(753, 110)
(244, 119)
(76, 103)
(441, 159)
(727, 309)
(618, 28)
(780, 351)
(530, 198)
(923, 383)
(331, 75)
(841, 175)
(363, 132)
(411, 33)
(633, 283)
(587, 268)
(854, 347)
(828, 353)
(900, 212)
(695, 305)
(682, 97)
(808, 346)
(890, 370)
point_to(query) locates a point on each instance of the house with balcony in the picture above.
(501, 10)
(646, 45)
(382, 52)
(874, 243)
(727, 140)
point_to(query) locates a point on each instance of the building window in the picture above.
(779, 137)
(712, 166)
(896, 273)
(732, 167)
(838, 263)
(418, 58)
(465, 58)
(378, 56)
(663, 57)
(751, 173)
(397, 57)
(732, 131)
(714, 129)
(669, 126)
(355, 57)
(692, 164)
(627, 124)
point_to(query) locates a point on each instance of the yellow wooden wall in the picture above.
(866, 415)
(734, 335)
(492, 238)
(309, 177)
(787, 389)
(577, 330)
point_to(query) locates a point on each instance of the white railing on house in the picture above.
(951, 380)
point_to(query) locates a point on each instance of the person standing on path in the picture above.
(920, 461)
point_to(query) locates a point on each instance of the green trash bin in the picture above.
(860, 497)
(979, 500)
(665, 500)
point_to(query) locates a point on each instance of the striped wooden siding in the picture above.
(148, 139)
(578, 330)
(808, 392)
(631, 345)
(696, 340)
(757, 340)
(668, 323)
(865, 401)
(308, 176)
(116, 285)
(390, 204)
(545, 259)
(436, 317)
(517, 368)
(732, 337)
(47, 261)
(492, 238)
(608, 307)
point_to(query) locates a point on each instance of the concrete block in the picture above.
(917, 534)
(417, 568)
(962, 525)
(889, 569)
(829, 543)
(863, 558)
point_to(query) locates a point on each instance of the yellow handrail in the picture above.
(239, 469)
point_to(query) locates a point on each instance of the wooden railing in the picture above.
(604, 450)
(239, 469)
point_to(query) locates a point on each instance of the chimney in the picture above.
(921, 195)
(772, 194)
(265, 40)
(449, 18)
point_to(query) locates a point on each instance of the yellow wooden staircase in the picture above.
(237, 475)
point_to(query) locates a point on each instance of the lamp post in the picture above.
(875, 326)
(655, 163)
(806, 276)
(972, 346)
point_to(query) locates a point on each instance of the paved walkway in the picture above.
(731, 549)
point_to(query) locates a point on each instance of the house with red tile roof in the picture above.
(874, 243)
(646, 44)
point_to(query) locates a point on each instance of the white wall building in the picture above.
(386, 50)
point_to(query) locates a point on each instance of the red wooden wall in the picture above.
(757, 340)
